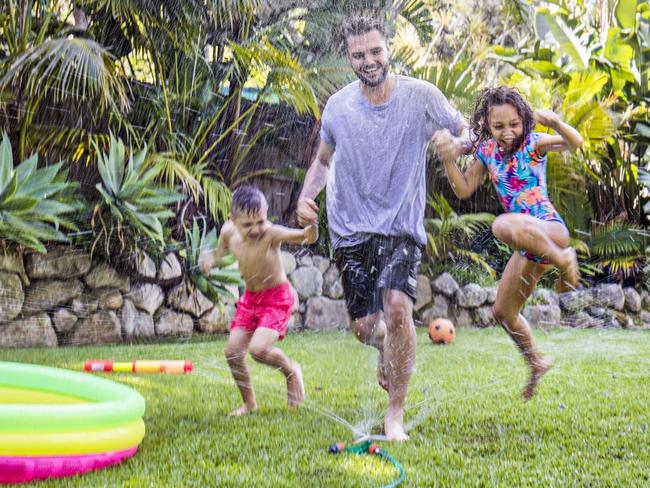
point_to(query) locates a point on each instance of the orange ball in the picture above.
(441, 331)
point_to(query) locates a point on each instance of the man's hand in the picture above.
(307, 212)
(447, 147)
(547, 118)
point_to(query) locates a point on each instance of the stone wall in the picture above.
(62, 298)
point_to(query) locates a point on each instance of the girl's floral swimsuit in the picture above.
(520, 181)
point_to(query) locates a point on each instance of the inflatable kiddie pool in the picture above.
(55, 422)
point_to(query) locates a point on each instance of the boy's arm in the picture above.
(567, 137)
(209, 258)
(308, 235)
(315, 181)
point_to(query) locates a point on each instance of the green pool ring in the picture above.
(92, 402)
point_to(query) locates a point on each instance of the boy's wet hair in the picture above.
(501, 95)
(359, 25)
(247, 200)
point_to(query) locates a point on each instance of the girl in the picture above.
(507, 148)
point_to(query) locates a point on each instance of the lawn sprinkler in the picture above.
(138, 366)
(367, 447)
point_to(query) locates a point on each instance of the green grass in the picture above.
(588, 426)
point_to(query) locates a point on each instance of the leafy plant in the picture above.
(618, 248)
(132, 208)
(215, 283)
(448, 232)
(33, 201)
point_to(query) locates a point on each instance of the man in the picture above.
(372, 154)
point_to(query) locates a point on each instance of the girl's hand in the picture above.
(547, 118)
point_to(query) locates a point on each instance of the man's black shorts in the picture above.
(380, 263)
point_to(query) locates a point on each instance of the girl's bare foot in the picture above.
(382, 379)
(243, 410)
(569, 271)
(394, 429)
(295, 387)
(538, 368)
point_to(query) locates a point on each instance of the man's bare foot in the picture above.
(538, 368)
(295, 387)
(394, 430)
(382, 378)
(569, 271)
(243, 410)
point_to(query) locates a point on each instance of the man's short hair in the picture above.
(357, 26)
(247, 200)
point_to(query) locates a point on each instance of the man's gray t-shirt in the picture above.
(376, 182)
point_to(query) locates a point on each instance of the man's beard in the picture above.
(373, 83)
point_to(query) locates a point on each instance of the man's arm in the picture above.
(315, 181)
(308, 235)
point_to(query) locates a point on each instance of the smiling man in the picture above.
(372, 155)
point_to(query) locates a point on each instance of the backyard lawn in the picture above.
(588, 425)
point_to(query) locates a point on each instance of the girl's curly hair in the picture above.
(501, 95)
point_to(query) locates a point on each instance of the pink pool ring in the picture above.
(26, 469)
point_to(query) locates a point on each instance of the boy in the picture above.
(265, 308)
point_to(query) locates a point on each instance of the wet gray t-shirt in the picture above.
(376, 182)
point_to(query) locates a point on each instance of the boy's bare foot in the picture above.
(569, 271)
(394, 429)
(382, 378)
(538, 369)
(243, 410)
(295, 387)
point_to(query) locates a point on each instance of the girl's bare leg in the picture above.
(235, 353)
(549, 240)
(262, 349)
(517, 283)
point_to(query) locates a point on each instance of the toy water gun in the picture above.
(369, 448)
(138, 366)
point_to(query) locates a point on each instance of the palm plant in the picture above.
(131, 210)
(618, 249)
(33, 202)
(448, 233)
(215, 284)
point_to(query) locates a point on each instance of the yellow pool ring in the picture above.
(91, 441)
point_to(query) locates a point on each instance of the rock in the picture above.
(462, 317)
(216, 320)
(296, 299)
(320, 262)
(147, 297)
(64, 320)
(305, 260)
(445, 284)
(109, 299)
(135, 323)
(424, 294)
(610, 295)
(145, 266)
(308, 281)
(35, 331)
(471, 296)
(439, 308)
(645, 299)
(288, 262)
(13, 263)
(325, 314)
(84, 305)
(47, 294)
(171, 271)
(295, 322)
(597, 312)
(60, 263)
(102, 327)
(644, 318)
(491, 294)
(544, 296)
(575, 301)
(171, 322)
(104, 276)
(332, 284)
(542, 315)
(187, 298)
(486, 316)
(12, 296)
(632, 300)
(582, 320)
